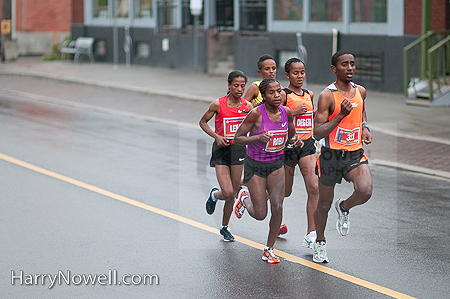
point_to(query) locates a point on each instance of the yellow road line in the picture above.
(290, 257)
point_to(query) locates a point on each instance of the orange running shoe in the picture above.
(283, 229)
(269, 256)
(239, 207)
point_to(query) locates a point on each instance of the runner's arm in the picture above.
(323, 127)
(251, 122)
(252, 92)
(212, 110)
(292, 134)
(366, 136)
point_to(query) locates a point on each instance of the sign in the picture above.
(6, 26)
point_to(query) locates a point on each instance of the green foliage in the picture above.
(55, 53)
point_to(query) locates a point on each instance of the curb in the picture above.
(380, 162)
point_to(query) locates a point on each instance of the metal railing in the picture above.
(439, 66)
(422, 59)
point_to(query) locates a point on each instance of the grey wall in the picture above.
(247, 50)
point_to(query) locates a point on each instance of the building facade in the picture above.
(37, 24)
(232, 34)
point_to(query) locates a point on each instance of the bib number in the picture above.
(347, 137)
(303, 123)
(231, 125)
(277, 142)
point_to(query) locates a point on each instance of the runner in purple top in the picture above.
(273, 150)
(270, 125)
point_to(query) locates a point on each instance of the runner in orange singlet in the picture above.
(342, 123)
(227, 158)
(300, 101)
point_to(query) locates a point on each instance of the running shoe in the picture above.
(239, 207)
(320, 252)
(309, 240)
(210, 203)
(283, 229)
(227, 236)
(343, 222)
(269, 256)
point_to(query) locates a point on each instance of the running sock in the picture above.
(213, 197)
(341, 205)
(224, 226)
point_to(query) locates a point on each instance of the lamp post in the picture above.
(196, 10)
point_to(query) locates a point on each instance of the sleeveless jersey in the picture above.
(258, 100)
(272, 150)
(228, 119)
(303, 123)
(347, 135)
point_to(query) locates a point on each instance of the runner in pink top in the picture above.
(270, 125)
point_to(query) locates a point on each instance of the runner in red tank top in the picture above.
(300, 101)
(227, 158)
(341, 120)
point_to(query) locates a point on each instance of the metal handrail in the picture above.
(433, 65)
(406, 49)
(426, 67)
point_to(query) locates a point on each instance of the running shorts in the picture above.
(261, 169)
(230, 155)
(293, 155)
(333, 165)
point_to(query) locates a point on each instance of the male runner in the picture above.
(342, 123)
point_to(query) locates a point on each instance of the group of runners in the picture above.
(265, 133)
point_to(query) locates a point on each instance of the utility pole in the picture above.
(427, 43)
(8, 47)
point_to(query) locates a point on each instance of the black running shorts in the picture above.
(333, 165)
(261, 169)
(292, 155)
(230, 155)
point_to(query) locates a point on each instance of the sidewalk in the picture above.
(408, 137)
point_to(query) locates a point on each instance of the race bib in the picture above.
(277, 142)
(304, 123)
(347, 137)
(230, 126)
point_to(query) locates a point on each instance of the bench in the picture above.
(82, 45)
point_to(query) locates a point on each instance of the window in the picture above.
(143, 49)
(253, 15)
(188, 18)
(143, 8)
(288, 10)
(224, 13)
(369, 11)
(167, 14)
(122, 8)
(326, 10)
(101, 9)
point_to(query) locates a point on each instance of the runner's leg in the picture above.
(276, 188)
(326, 194)
(363, 183)
(307, 165)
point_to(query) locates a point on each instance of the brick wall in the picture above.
(44, 15)
(440, 11)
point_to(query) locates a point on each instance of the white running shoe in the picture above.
(320, 252)
(309, 240)
(343, 222)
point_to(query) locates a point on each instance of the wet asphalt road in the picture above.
(65, 220)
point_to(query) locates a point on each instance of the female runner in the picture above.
(270, 126)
